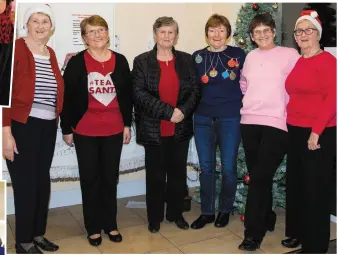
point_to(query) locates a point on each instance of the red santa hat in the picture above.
(312, 16)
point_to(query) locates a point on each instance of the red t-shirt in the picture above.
(312, 86)
(168, 89)
(103, 117)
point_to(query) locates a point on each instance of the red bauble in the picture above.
(242, 218)
(255, 7)
(246, 179)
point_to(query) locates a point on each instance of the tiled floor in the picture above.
(65, 227)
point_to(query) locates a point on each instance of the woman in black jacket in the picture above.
(97, 114)
(165, 95)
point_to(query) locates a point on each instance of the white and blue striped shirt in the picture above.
(45, 89)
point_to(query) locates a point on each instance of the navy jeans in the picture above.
(210, 132)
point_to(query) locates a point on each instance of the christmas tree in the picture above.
(245, 15)
(327, 16)
(242, 39)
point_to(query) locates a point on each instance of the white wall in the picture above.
(133, 25)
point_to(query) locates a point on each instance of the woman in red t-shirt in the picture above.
(97, 115)
(311, 121)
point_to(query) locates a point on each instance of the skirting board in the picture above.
(71, 195)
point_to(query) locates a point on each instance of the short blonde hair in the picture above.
(94, 20)
(164, 21)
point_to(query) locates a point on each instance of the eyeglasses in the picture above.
(100, 31)
(307, 31)
(266, 31)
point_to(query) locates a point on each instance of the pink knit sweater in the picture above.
(263, 86)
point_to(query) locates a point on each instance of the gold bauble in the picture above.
(241, 42)
(275, 5)
(238, 20)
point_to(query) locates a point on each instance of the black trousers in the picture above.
(99, 163)
(264, 148)
(309, 176)
(5, 72)
(166, 171)
(30, 176)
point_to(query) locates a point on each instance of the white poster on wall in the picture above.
(67, 39)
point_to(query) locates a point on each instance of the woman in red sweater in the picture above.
(311, 120)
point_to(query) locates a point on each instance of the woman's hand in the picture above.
(312, 143)
(177, 116)
(8, 144)
(69, 140)
(126, 135)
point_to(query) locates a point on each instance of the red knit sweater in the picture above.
(168, 90)
(23, 86)
(312, 86)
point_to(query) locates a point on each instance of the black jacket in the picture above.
(76, 91)
(150, 110)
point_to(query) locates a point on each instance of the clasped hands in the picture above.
(177, 116)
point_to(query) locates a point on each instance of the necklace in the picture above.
(316, 53)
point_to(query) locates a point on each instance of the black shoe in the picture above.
(222, 220)
(250, 244)
(202, 220)
(94, 241)
(180, 223)
(114, 238)
(33, 250)
(290, 243)
(153, 227)
(46, 245)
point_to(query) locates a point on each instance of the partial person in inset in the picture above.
(29, 128)
(165, 95)
(96, 117)
(7, 17)
(263, 124)
(311, 122)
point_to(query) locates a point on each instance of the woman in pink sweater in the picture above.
(263, 124)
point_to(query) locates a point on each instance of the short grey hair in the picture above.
(164, 21)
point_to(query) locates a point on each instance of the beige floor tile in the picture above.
(136, 240)
(76, 211)
(10, 237)
(75, 245)
(129, 219)
(10, 251)
(181, 237)
(271, 242)
(168, 251)
(333, 230)
(222, 245)
(11, 221)
(63, 225)
(235, 225)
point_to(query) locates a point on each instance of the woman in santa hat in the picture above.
(29, 128)
(311, 122)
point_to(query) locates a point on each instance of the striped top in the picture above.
(45, 89)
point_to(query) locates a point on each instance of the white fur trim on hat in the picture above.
(312, 18)
(43, 8)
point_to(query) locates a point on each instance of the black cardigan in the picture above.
(76, 91)
(150, 110)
